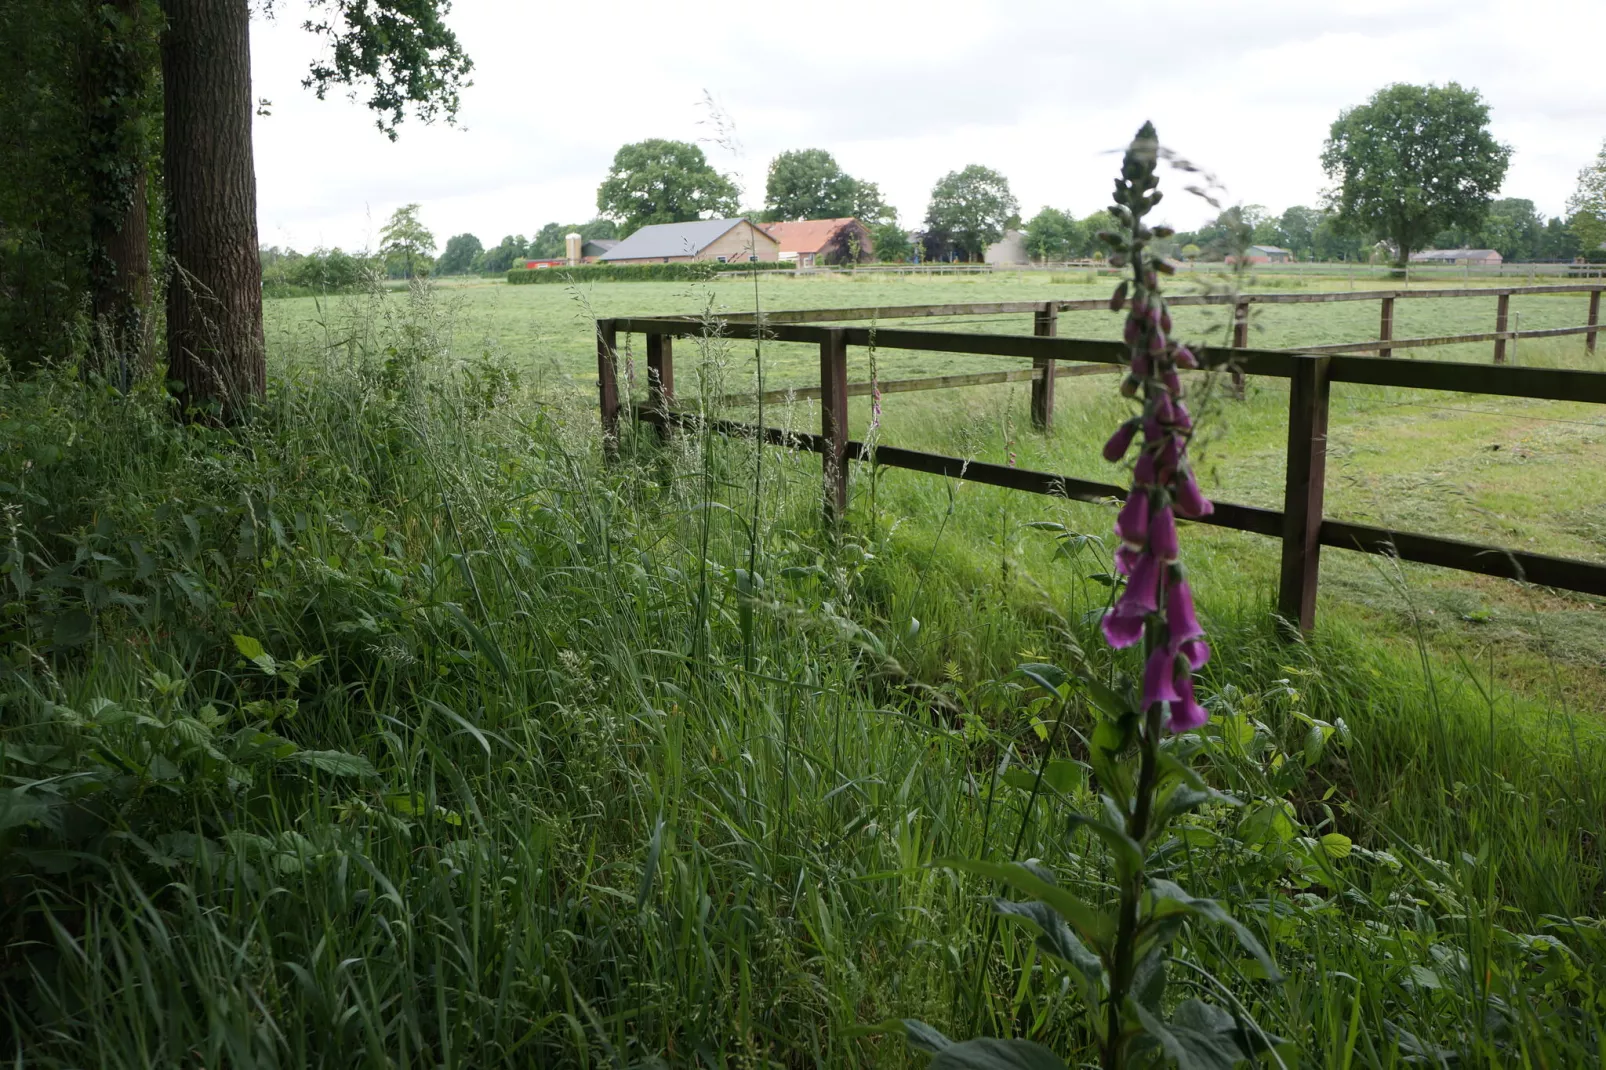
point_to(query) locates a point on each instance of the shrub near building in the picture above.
(672, 272)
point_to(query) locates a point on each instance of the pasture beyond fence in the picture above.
(1311, 370)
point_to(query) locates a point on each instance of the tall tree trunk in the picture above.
(214, 295)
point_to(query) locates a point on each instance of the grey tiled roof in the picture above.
(670, 239)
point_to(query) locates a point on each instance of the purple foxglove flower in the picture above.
(1196, 652)
(1160, 678)
(1170, 455)
(1140, 305)
(1126, 558)
(1186, 713)
(1190, 502)
(1120, 442)
(1165, 321)
(1179, 615)
(1165, 410)
(1132, 524)
(1179, 415)
(1185, 358)
(1132, 331)
(1140, 366)
(1156, 342)
(1142, 594)
(1143, 473)
(1163, 534)
(1122, 630)
(1172, 383)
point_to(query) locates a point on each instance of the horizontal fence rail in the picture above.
(1565, 573)
(1300, 525)
(1384, 344)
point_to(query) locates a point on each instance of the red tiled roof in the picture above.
(808, 236)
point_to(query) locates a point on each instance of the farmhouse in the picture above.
(1010, 249)
(591, 250)
(1476, 257)
(822, 241)
(1269, 254)
(725, 240)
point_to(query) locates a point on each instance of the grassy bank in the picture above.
(397, 729)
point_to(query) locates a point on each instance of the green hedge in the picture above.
(673, 272)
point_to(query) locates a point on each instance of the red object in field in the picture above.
(533, 264)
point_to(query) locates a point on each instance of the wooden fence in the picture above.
(1300, 525)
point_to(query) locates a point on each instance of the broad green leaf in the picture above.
(1148, 980)
(1050, 678)
(249, 648)
(337, 762)
(1268, 823)
(923, 1037)
(1337, 845)
(1169, 898)
(1106, 699)
(1092, 924)
(411, 803)
(1193, 1040)
(993, 1053)
(72, 628)
(1061, 775)
(1124, 850)
(1057, 939)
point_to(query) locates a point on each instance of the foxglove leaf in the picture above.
(993, 1053)
(1169, 898)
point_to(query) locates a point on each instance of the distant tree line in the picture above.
(1414, 167)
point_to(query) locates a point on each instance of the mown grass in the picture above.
(548, 762)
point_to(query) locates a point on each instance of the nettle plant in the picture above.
(1142, 745)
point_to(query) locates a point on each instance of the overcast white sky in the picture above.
(902, 93)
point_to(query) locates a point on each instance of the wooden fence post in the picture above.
(1240, 340)
(1385, 327)
(834, 422)
(1594, 318)
(1045, 324)
(661, 381)
(1501, 316)
(608, 385)
(1309, 389)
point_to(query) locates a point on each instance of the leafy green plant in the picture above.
(1117, 954)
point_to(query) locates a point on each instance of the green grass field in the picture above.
(1501, 471)
(396, 728)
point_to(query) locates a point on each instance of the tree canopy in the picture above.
(551, 242)
(810, 184)
(500, 256)
(462, 255)
(402, 51)
(659, 181)
(1587, 205)
(969, 209)
(407, 239)
(1054, 235)
(890, 242)
(1413, 161)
